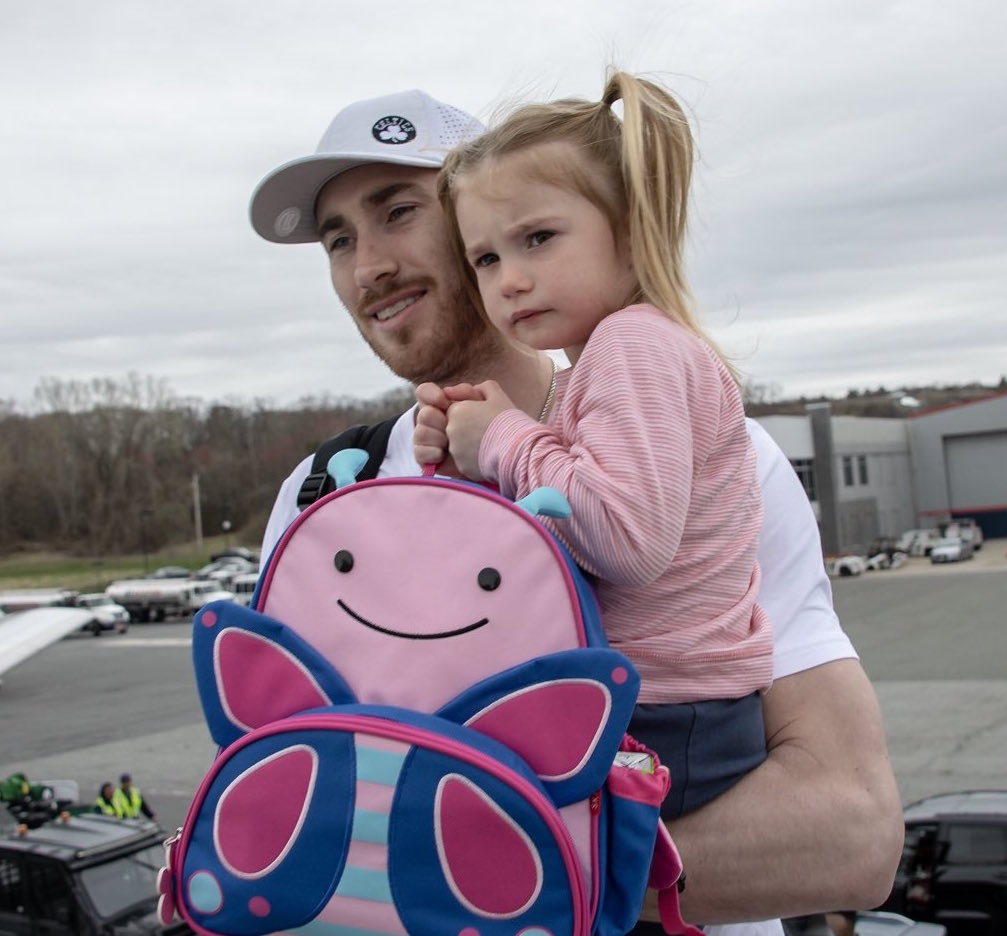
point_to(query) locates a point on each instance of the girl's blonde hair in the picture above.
(636, 171)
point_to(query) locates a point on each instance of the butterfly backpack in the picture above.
(421, 731)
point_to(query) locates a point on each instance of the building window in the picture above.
(805, 468)
(862, 468)
(848, 470)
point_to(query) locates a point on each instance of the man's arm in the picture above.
(817, 826)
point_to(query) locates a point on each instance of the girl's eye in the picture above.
(539, 237)
(485, 260)
(343, 560)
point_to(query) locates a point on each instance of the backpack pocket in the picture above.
(368, 819)
(630, 813)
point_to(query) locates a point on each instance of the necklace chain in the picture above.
(549, 396)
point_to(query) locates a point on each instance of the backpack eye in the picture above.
(343, 560)
(489, 579)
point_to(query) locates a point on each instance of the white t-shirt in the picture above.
(795, 590)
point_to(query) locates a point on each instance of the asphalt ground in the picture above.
(933, 640)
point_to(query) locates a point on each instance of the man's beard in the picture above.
(461, 345)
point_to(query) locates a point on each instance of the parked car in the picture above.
(169, 572)
(885, 560)
(239, 551)
(848, 565)
(951, 549)
(81, 876)
(954, 863)
(965, 528)
(109, 615)
(224, 570)
(866, 923)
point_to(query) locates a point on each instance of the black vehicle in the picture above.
(954, 863)
(87, 875)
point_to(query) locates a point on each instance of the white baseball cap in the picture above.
(409, 128)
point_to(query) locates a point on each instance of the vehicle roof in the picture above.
(83, 839)
(965, 803)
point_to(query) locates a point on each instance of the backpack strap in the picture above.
(668, 878)
(373, 439)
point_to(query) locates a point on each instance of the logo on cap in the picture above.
(286, 222)
(393, 130)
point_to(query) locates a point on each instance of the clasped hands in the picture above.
(451, 423)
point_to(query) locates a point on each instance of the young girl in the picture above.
(569, 223)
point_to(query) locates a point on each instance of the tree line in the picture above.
(107, 467)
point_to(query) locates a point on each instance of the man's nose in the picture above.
(373, 264)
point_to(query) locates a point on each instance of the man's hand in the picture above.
(468, 417)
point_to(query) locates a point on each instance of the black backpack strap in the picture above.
(373, 439)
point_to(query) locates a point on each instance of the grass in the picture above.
(52, 570)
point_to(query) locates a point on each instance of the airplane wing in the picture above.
(26, 632)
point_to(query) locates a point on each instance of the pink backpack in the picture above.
(421, 731)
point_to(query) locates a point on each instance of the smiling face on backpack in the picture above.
(414, 591)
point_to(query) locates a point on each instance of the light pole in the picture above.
(144, 515)
(226, 527)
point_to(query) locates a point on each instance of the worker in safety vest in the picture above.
(106, 802)
(130, 801)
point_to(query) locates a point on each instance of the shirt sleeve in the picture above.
(284, 510)
(638, 416)
(795, 589)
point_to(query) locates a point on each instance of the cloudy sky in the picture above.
(850, 213)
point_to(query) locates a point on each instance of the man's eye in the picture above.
(400, 211)
(485, 260)
(339, 243)
(539, 237)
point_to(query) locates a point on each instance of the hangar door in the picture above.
(976, 470)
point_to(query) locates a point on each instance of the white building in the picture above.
(868, 478)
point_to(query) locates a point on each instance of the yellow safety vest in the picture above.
(129, 808)
(109, 809)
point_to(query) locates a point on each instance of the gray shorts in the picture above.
(708, 746)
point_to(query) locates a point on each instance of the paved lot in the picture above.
(932, 639)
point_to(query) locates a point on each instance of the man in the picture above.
(819, 824)
(129, 800)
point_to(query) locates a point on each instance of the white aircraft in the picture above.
(24, 633)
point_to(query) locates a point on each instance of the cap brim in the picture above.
(282, 208)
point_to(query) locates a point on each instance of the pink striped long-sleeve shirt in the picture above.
(647, 441)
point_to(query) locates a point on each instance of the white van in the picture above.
(967, 530)
(918, 542)
(243, 586)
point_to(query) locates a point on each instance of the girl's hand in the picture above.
(468, 417)
(430, 440)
